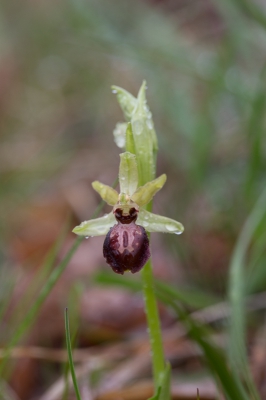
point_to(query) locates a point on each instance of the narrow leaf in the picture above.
(164, 391)
(70, 358)
(143, 138)
(126, 100)
(190, 297)
(215, 357)
(33, 311)
(237, 347)
(166, 383)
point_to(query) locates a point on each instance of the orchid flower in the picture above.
(126, 246)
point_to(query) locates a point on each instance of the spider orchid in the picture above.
(126, 245)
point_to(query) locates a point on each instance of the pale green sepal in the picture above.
(164, 390)
(107, 193)
(120, 134)
(157, 223)
(130, 144)
(128, 173)
(126, 100)
(95, 227)
(144, 194)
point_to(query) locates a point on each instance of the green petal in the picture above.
(128, 173)
(126, 100)
(157, 223)
(96, 227)
(144, 194)
(107, 193)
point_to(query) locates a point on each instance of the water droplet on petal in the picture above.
(172, 228)
(114, 91)
(145, 224)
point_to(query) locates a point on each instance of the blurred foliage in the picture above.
(205, 65)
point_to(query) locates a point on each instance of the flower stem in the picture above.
(141, 140)
(153, 321)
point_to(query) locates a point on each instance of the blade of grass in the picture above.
(198, 398)
(39, 279)
(164, 391)
(70, 358)
(191, 298)
(33, 312)
(51, 281)
(74, 300)
(256, 131)
(237, 281)
(215, 357)
(6, 290)
(253, 10)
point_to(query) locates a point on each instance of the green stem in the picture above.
(143, 143)
(153, 321)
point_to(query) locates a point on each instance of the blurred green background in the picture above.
(205, 65)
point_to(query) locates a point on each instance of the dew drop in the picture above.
(114, 91)
(145, 224)
(86, 237)
(171, 228)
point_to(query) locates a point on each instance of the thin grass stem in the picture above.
(70, 358)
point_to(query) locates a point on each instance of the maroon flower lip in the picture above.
(126, 245)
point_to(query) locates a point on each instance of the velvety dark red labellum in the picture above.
(126, 246)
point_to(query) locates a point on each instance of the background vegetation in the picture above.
(204, 62)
